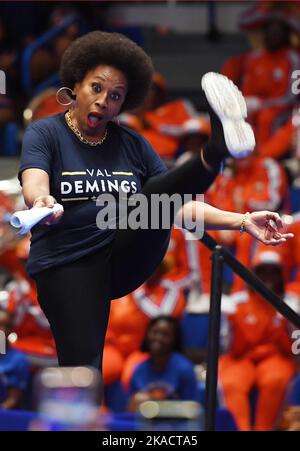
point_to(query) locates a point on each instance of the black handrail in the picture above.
(213, 343)
(220, 255)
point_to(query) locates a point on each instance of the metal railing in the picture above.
(220, 256)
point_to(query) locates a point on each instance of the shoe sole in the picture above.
(228, 103)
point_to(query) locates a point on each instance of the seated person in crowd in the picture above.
(282, 143)
(8, 241)
(46, 60)
(160, 121)
(166, 373)
(32, 328)
(268, 76)
(14, 368)
(195, 133)
(8, 64)
(249, 184)
(259, 355)
(250, 22)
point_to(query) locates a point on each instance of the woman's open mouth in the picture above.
(94, 119)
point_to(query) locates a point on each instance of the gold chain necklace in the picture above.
(79, 134)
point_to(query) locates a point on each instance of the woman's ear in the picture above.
(75, 89)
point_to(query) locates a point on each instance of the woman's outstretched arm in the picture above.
(265, 226)
(36, 192)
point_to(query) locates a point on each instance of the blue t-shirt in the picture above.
(176, 381)
(14, 372)
(78, 174)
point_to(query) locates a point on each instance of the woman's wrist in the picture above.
(236, 221)
(44, 200)
(243, 223)
(42, 196)
(216, 219)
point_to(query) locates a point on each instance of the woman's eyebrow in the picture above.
(104, 79)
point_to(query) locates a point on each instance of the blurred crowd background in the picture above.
(156, 345)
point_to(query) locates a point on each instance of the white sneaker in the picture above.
(228, 103)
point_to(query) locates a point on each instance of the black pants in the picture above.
(76, 297)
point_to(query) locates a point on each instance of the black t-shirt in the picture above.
(78, 173)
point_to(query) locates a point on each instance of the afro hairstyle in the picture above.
(113, 49)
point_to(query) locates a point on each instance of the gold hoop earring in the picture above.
(64, 96)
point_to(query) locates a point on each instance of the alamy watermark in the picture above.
(296, 82)
(2, 82)
(2, 342)
(152, 212)
(296, 344)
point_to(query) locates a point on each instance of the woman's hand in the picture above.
(265, 226)
(48, 201)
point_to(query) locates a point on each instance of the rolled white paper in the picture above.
(25, 220)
